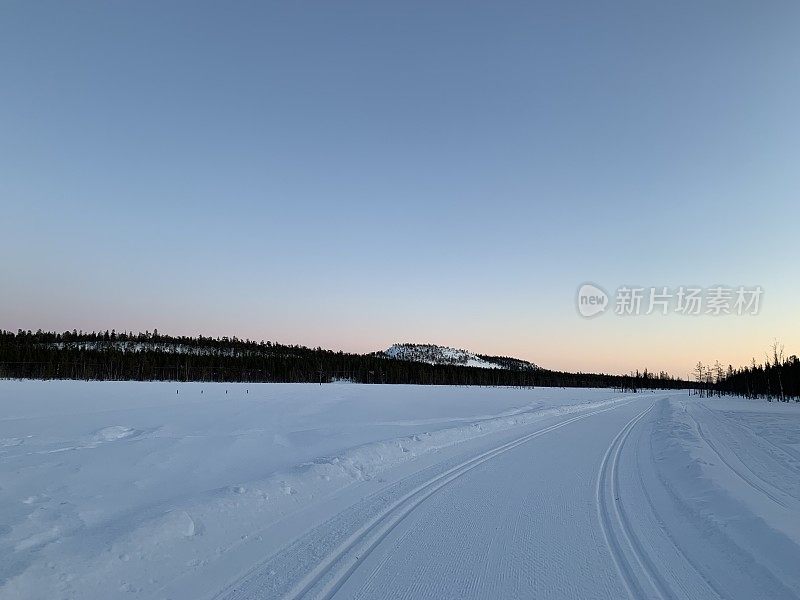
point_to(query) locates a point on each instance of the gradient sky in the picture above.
(353, 174)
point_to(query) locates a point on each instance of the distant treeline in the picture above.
(777, 378)
(150, 356)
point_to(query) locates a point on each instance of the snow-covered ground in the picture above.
(131, 490)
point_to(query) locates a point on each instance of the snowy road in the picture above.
(399, 492)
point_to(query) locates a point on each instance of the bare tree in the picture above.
(777, 353)
(777, 361)
(699, 371)
(717, 372)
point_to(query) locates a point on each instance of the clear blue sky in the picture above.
(354, 174)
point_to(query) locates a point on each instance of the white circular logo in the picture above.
(592, 300)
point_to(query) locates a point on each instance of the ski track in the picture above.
(649, 561)
(323, 581)
(626, 549)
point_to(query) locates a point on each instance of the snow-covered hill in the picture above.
(443, 355)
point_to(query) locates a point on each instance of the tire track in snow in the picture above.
(757, 437)
(750, 481)
(640, 576)
(712, 588)
(786, 451)
(737, 563)
(333, 571)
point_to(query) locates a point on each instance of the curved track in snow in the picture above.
(397, 493)
(327, 577)
(610, 503)
(641, 576)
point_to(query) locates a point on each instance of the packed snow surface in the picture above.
(160, 490)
